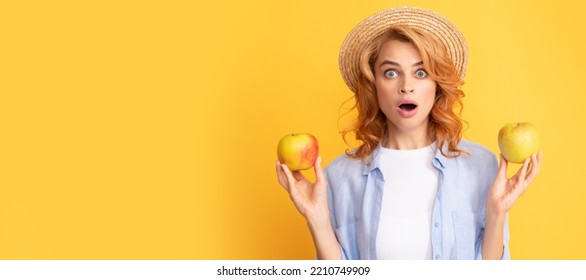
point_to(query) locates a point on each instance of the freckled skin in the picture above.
(298, 151)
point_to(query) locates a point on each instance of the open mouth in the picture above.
(408, 106)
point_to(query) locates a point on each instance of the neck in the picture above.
(406, 140)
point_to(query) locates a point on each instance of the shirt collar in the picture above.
(372, 162)
(439, 160)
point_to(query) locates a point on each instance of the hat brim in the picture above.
(417, 18)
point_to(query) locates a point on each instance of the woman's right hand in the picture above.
(310, 199)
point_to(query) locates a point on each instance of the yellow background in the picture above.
(148, 129)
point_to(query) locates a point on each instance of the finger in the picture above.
(319, 172)
(519, 185)
(299, 176)
(535, 167)
(281, 176)
(290, 180)
(294, 193)
(502, 172)
(523, 171)
(532, 160)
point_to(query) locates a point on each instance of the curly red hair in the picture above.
(445, 124)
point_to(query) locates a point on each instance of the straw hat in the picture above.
(418, 18)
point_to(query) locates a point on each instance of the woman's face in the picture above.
(405, 91)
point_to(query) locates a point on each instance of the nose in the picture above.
(407, 86)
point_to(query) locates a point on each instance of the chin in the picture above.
(410, 124)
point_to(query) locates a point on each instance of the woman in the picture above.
(413, 189)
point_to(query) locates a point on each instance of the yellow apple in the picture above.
(518, 141)
(298, 151)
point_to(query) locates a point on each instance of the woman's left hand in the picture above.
(504, 191)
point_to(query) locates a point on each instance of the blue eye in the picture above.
(420, 74)
(391, 74)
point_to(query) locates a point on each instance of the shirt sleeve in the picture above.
(332, 214)
(506, 251)
(493, 167)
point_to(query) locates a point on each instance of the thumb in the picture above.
(319, 172)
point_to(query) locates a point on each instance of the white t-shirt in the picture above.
(411, 181)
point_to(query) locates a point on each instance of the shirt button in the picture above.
(436, 224)
(437, 257)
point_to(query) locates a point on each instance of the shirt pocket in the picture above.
(346, 235)
(465, 235)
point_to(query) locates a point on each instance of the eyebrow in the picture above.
(389, 62)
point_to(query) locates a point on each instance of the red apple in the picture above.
(298, 151)
(518, 141)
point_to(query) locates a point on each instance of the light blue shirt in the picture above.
(355, 190)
